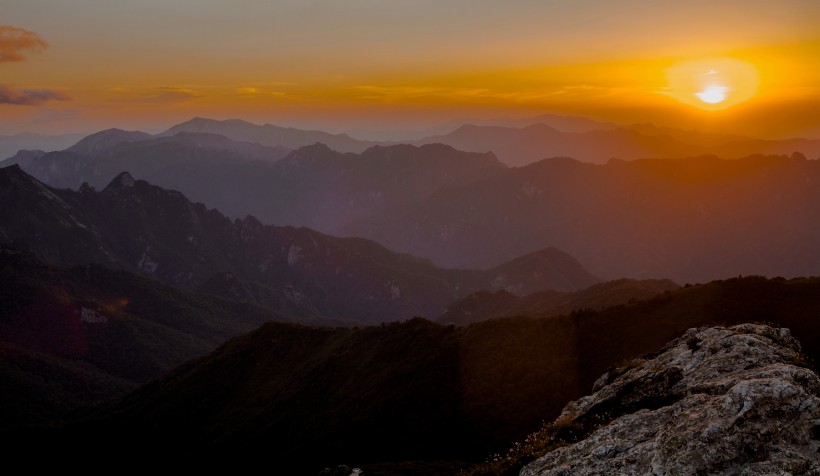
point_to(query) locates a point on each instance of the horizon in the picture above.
(379, 70)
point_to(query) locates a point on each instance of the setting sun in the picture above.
(713, 94)
(712, 84)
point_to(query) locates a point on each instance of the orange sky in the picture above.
(402, 64)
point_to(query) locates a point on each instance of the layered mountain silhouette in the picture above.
(270, 135)
(195, 161)
(523, 145)
(313, 186)
(689, 220)
(320, 188)
(410, 391)
(143, 228)
(11, 144)
(114, 282)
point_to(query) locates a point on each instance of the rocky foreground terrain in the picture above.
(717, 400)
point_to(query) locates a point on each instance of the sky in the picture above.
(398, 65)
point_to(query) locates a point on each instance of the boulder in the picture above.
(737, 400)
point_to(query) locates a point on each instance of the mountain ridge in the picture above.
(146, 229)
(269, 134)
(528, 143)
(273, 396)
(485, 305)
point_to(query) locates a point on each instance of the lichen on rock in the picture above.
(714, 401)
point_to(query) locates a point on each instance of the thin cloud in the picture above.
(254, 92)
(16, 43)
(29, 97)
(172, 95)
(160, 95)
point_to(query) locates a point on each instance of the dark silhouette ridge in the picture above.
(485, 305)
(295, 397)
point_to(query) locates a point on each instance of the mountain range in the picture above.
(225, 293)
(269, 134)
(690, 220)
(524, 145)
(143, 228)
(516, 142)
(11, 144)
(195, 160)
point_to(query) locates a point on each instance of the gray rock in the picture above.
(715, 401)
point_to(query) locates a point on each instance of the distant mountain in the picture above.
(143, 228)
(270, 135)
(100, 141)
(559, 122)
(520, 146)
(689, 220)
(691, 137)
(320, 188)
(24, 158)
(485, 305)
(313, 186)
(72, 337)
(564, 123)
(302, 399)
(733, 146)
(195, 161)
(692, 219)
(11, 144)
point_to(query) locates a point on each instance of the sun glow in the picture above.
(713, 94)
(712, 84)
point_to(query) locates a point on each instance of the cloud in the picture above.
(160, 95)
(172, 95)
(29, 97)
(16, 42)
(254, 92)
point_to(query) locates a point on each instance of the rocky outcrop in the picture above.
(715, 401)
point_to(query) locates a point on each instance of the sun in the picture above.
(712, 84)
(713, 94)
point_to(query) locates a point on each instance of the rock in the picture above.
(715, 401)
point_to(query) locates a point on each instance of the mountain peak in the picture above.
(122, 181)
(205, 120)
(12, 169)
(15, 174)
(206, 125)
(312, 151)
(106, 139)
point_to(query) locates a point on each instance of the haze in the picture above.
(388, 67)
